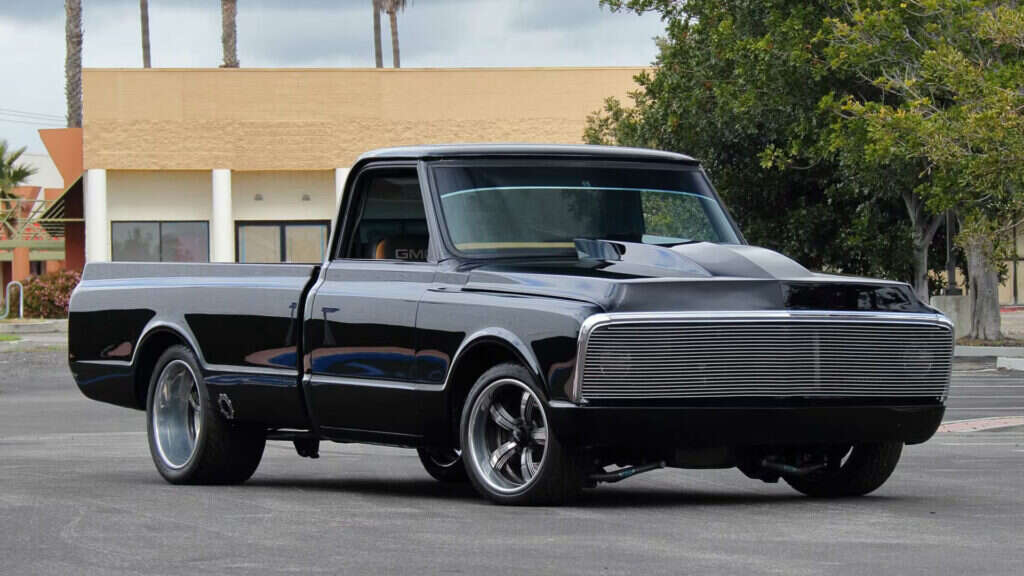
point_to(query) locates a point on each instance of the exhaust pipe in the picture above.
(788, 470)
(623, 473)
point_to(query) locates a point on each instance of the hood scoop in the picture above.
(633, 254)
(698, 259)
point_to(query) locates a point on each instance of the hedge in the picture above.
(48, 296)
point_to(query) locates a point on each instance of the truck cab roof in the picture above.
(437, 151)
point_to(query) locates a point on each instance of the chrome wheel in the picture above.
(177, 414)
(507, 436)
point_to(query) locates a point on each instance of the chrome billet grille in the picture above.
(766, 357)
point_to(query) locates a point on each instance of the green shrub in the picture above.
(47, 296)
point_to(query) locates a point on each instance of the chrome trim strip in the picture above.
(323, 379)
(594, 321)
(260, 370)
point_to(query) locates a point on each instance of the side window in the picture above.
(391, 222)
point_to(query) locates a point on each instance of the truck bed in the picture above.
(243, 320)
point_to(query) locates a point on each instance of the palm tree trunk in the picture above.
(229, 32)
(73, 61)
(144, 14)
(378, 55)
(393, 19)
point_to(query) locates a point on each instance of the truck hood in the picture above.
(628, 277)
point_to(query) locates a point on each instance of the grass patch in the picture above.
(1003, 342)
(9, 338)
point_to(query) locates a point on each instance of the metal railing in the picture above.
(21, 300)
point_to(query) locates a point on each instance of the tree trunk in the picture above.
(144, 15)
(229, 32)
(983, 288)
(393, 19)
(924, 226)
(73, 61)
(378, 56)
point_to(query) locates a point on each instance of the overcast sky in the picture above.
(283, 33)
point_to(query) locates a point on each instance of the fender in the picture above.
(499, 336)
(157, 326)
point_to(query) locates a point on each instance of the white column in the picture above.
(340, 174)
(97, 228)
(222, 233)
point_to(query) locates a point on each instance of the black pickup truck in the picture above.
(532, 319)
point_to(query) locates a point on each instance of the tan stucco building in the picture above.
(249, 164)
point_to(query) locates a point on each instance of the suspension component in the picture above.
(623, 473)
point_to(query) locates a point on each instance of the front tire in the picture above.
(444, 464)
(509, 449)
(855, 473)
(190, 442)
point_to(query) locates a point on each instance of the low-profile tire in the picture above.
(510, 452)
(444, 464)
(189, 440)
(865, 468)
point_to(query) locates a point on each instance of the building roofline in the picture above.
(365, 69)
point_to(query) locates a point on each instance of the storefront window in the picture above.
(259, 243)
(296, 242)
(160, 241)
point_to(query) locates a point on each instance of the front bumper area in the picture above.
(710, 426)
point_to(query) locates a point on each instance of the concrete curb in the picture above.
(1010, 363)
(40, 327)
(989, 351)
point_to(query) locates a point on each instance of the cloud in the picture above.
(320, 33)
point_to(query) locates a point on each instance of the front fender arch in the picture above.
(501, 337)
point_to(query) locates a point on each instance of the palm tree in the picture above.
(378, 7)
(229, 32)
(73, 61)
(12, 175)
(144, 14)
(393, 7)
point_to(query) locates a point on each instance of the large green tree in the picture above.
(951, 75)
(739, 85)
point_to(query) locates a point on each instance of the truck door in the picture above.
(361, 322)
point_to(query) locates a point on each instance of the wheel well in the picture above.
(145, 361)
(471, 365)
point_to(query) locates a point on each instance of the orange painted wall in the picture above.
(20, 265)
(65, 148)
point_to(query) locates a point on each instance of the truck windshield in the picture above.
(542, 208)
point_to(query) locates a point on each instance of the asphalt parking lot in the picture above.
(79, 495)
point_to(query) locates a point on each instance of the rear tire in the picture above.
(865, 469)
(445, 465)
(511, 453)
(189, 440)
